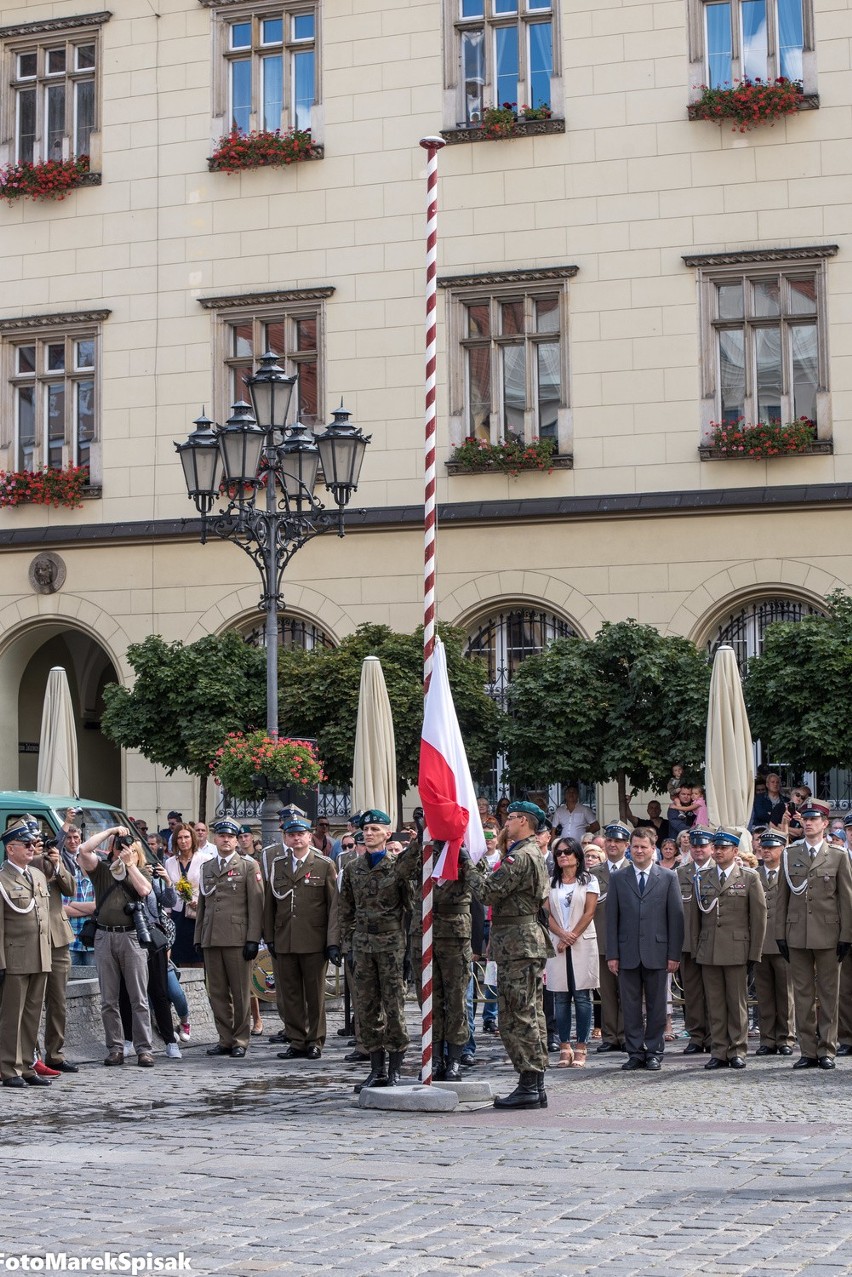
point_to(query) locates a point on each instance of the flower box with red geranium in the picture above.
(508, 456)
(749, 103)
(739, 441)
(262, 149)
(65, 487)
(47, 180)
(246, 763)
(508, 120)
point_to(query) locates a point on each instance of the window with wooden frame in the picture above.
(499, 52)
(52, 100)
(51, 414)
(291, 325)
(734, 40)
(764, 346)
(508, 336)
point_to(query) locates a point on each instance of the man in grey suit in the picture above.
(644, 939)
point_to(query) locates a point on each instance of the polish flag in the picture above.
(446, 789)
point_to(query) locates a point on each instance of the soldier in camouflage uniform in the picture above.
(520, 946)
(373, 899)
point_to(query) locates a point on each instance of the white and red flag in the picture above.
(446, 789)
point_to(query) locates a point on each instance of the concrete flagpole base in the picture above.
(467, 1091)
(408, 1099)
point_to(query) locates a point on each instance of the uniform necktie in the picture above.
(641, 884)
(772, 874)
(722, 877)
(813, 851)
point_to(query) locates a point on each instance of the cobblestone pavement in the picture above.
(264, 1167)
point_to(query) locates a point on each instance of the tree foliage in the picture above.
(626, 704)
(186, 698)
(319, 698)
(796, 689)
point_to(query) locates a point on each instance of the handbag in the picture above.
(159, 940)
(168, 926)
(88, 931)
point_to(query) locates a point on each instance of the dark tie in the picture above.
(722, 876)
(772, 876)
(642, 884)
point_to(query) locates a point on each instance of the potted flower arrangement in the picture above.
(502, 121)
(509, 456)
(246, 763)
(44, 487)
(763, 439)
(46, 180)
(236, 151)
(749, 103)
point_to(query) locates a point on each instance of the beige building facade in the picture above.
(615, 276)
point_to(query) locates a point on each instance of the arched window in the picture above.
(503, 641)
(293, 631)
(744, 630)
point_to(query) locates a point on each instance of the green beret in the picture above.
(374, 817)
(528, 809)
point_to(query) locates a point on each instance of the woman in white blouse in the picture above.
(184, 866)
(573, 973)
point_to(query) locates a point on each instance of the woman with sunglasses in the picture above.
(573, 973)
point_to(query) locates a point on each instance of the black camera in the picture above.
(137, 911)
(123, 840)
(49, 844)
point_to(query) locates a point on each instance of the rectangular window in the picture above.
(54, 89)
(270, 59)
(511, 378)
(502, 54)
(53, 386)
(764, 348)
(752, 39)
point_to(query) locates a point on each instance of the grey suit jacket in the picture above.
(644, 930)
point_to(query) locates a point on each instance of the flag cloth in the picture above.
(446, 789)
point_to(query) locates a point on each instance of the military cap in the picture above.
(700, 836)
(19, 832)
(246, 829)
(772, 838)
(847, 820)
(295, 825)
(30, 820)
(373, 816)
(358, 839)
(726, 837)
(815, 807)
(615, 829)
(528, 809)
(226, 826)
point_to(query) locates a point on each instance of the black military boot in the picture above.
(395, 1067)
(525, 1094)
(453, 1071)
(542, 1094)
(378, 1075)
(439, 1063)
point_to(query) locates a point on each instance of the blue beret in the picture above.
(226, 827)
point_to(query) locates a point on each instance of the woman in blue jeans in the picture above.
(573, 972)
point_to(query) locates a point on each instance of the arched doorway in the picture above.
(24, 667)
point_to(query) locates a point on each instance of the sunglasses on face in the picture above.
(348, 846)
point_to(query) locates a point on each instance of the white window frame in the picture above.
(40, 332)
(698, 53)
(225, 15)
(41, 38)
(455, 114)
(496, 288)
(753, 265)
(260, 309)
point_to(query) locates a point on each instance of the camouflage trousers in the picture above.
(380, 995)
(520, 1003)
(450, 978)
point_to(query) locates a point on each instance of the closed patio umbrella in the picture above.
(729, 755)
(374, 765)
(57, 756)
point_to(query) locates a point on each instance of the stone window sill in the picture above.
(523, 128)
(565, 462)
(809, 102)
(819, 448)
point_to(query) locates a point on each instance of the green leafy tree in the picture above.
(623, 706)
(796, 689)
(319, 698)
(185, 700)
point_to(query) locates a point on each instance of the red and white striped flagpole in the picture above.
(432, 146)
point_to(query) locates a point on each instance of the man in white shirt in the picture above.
(572, 818)
(202, 839)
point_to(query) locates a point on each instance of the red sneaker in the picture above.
(41, 1069)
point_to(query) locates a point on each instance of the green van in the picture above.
(50, 811)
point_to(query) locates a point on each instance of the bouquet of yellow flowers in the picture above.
(184, 888)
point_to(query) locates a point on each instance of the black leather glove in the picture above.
(270, 948)
(783, 949)
(332, 953)
(199, 952)
(842, 949)
(250, 950)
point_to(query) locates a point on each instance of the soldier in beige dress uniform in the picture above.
(729, 921)
(772, 981)
(692, 982)
(616, 836)
(24, 957)
(813, 929)
(61, 885)
(228, 927)
(301, 930)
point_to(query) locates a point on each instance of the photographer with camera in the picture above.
(122, 932)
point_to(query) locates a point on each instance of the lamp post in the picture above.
(255, 452)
